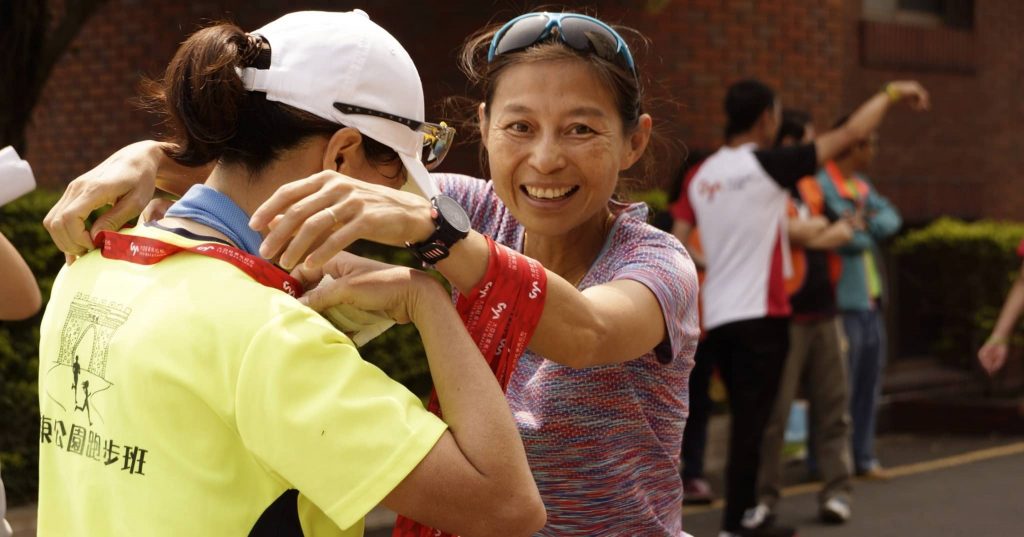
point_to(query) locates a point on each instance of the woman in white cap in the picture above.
(600, 397)
(183, 391)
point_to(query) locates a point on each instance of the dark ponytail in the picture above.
(210, 114)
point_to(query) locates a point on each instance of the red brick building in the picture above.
(825, 56)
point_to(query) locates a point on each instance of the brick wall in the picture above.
(963, 158)
(960, 159)
(697, 48)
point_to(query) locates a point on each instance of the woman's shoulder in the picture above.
(634, 232)
(637, 246)
(457, 184)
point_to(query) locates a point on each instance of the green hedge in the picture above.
(398, 351)
(952, 277)
(21, 222)
(656, 199)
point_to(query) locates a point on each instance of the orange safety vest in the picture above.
(814, 199)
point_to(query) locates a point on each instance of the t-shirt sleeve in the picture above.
(326, 422)
(787, 165)
(681, 209)
(476, 196)
(661, 265)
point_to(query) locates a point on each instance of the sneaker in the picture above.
(758, 516)
(875, 473)
(835, 511)
(697, 491)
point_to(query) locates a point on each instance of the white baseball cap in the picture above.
(345, 68)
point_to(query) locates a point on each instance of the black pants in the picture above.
(750, 355)
(695, 436)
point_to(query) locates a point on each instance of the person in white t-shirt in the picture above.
(739, 196)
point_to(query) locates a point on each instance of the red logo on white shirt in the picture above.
(708, 190)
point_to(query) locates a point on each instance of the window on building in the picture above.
(951, 13)
(919, 35)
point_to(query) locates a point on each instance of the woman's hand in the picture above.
(369, 285)
(992, 355)
(313, 219)
(126, 180)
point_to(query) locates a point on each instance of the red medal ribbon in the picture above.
(501, 313)
(148, 251)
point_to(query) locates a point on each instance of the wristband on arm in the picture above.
(501, 313)
(997, 340)
(892, 92)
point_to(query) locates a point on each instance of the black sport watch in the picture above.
(451, 224)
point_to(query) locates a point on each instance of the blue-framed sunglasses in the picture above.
(580, 32)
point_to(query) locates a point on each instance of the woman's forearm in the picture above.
(471, 399)
(1008, 316)
(608, 323)
(18, 286)
(567, 322)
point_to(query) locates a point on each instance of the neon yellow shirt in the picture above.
(184, 398)
(870, 267)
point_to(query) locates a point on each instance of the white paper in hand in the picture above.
(16, 177)
(360, 326)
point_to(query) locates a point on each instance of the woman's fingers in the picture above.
(310, 235)
(327, 295)
(283, 199)
(122, 211)
(309, 277)
(333, 245)
(313, 219)
(369, 286)
(66, 224)
(302, 216)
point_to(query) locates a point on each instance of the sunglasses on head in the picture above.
(580, 32)
(437, 138)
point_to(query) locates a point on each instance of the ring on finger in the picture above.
(330, 211)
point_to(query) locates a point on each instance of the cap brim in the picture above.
(420, 181)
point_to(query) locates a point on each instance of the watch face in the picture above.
(453, 213)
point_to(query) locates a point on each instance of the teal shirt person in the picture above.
(860, 286)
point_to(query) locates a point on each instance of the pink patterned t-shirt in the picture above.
(603, 442)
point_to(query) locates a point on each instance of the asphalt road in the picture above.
(977, 493)
(948, 486)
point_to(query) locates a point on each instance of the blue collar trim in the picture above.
(209, 207)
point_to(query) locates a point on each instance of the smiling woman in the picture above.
(600, 395)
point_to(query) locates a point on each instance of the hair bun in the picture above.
(250, 50)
